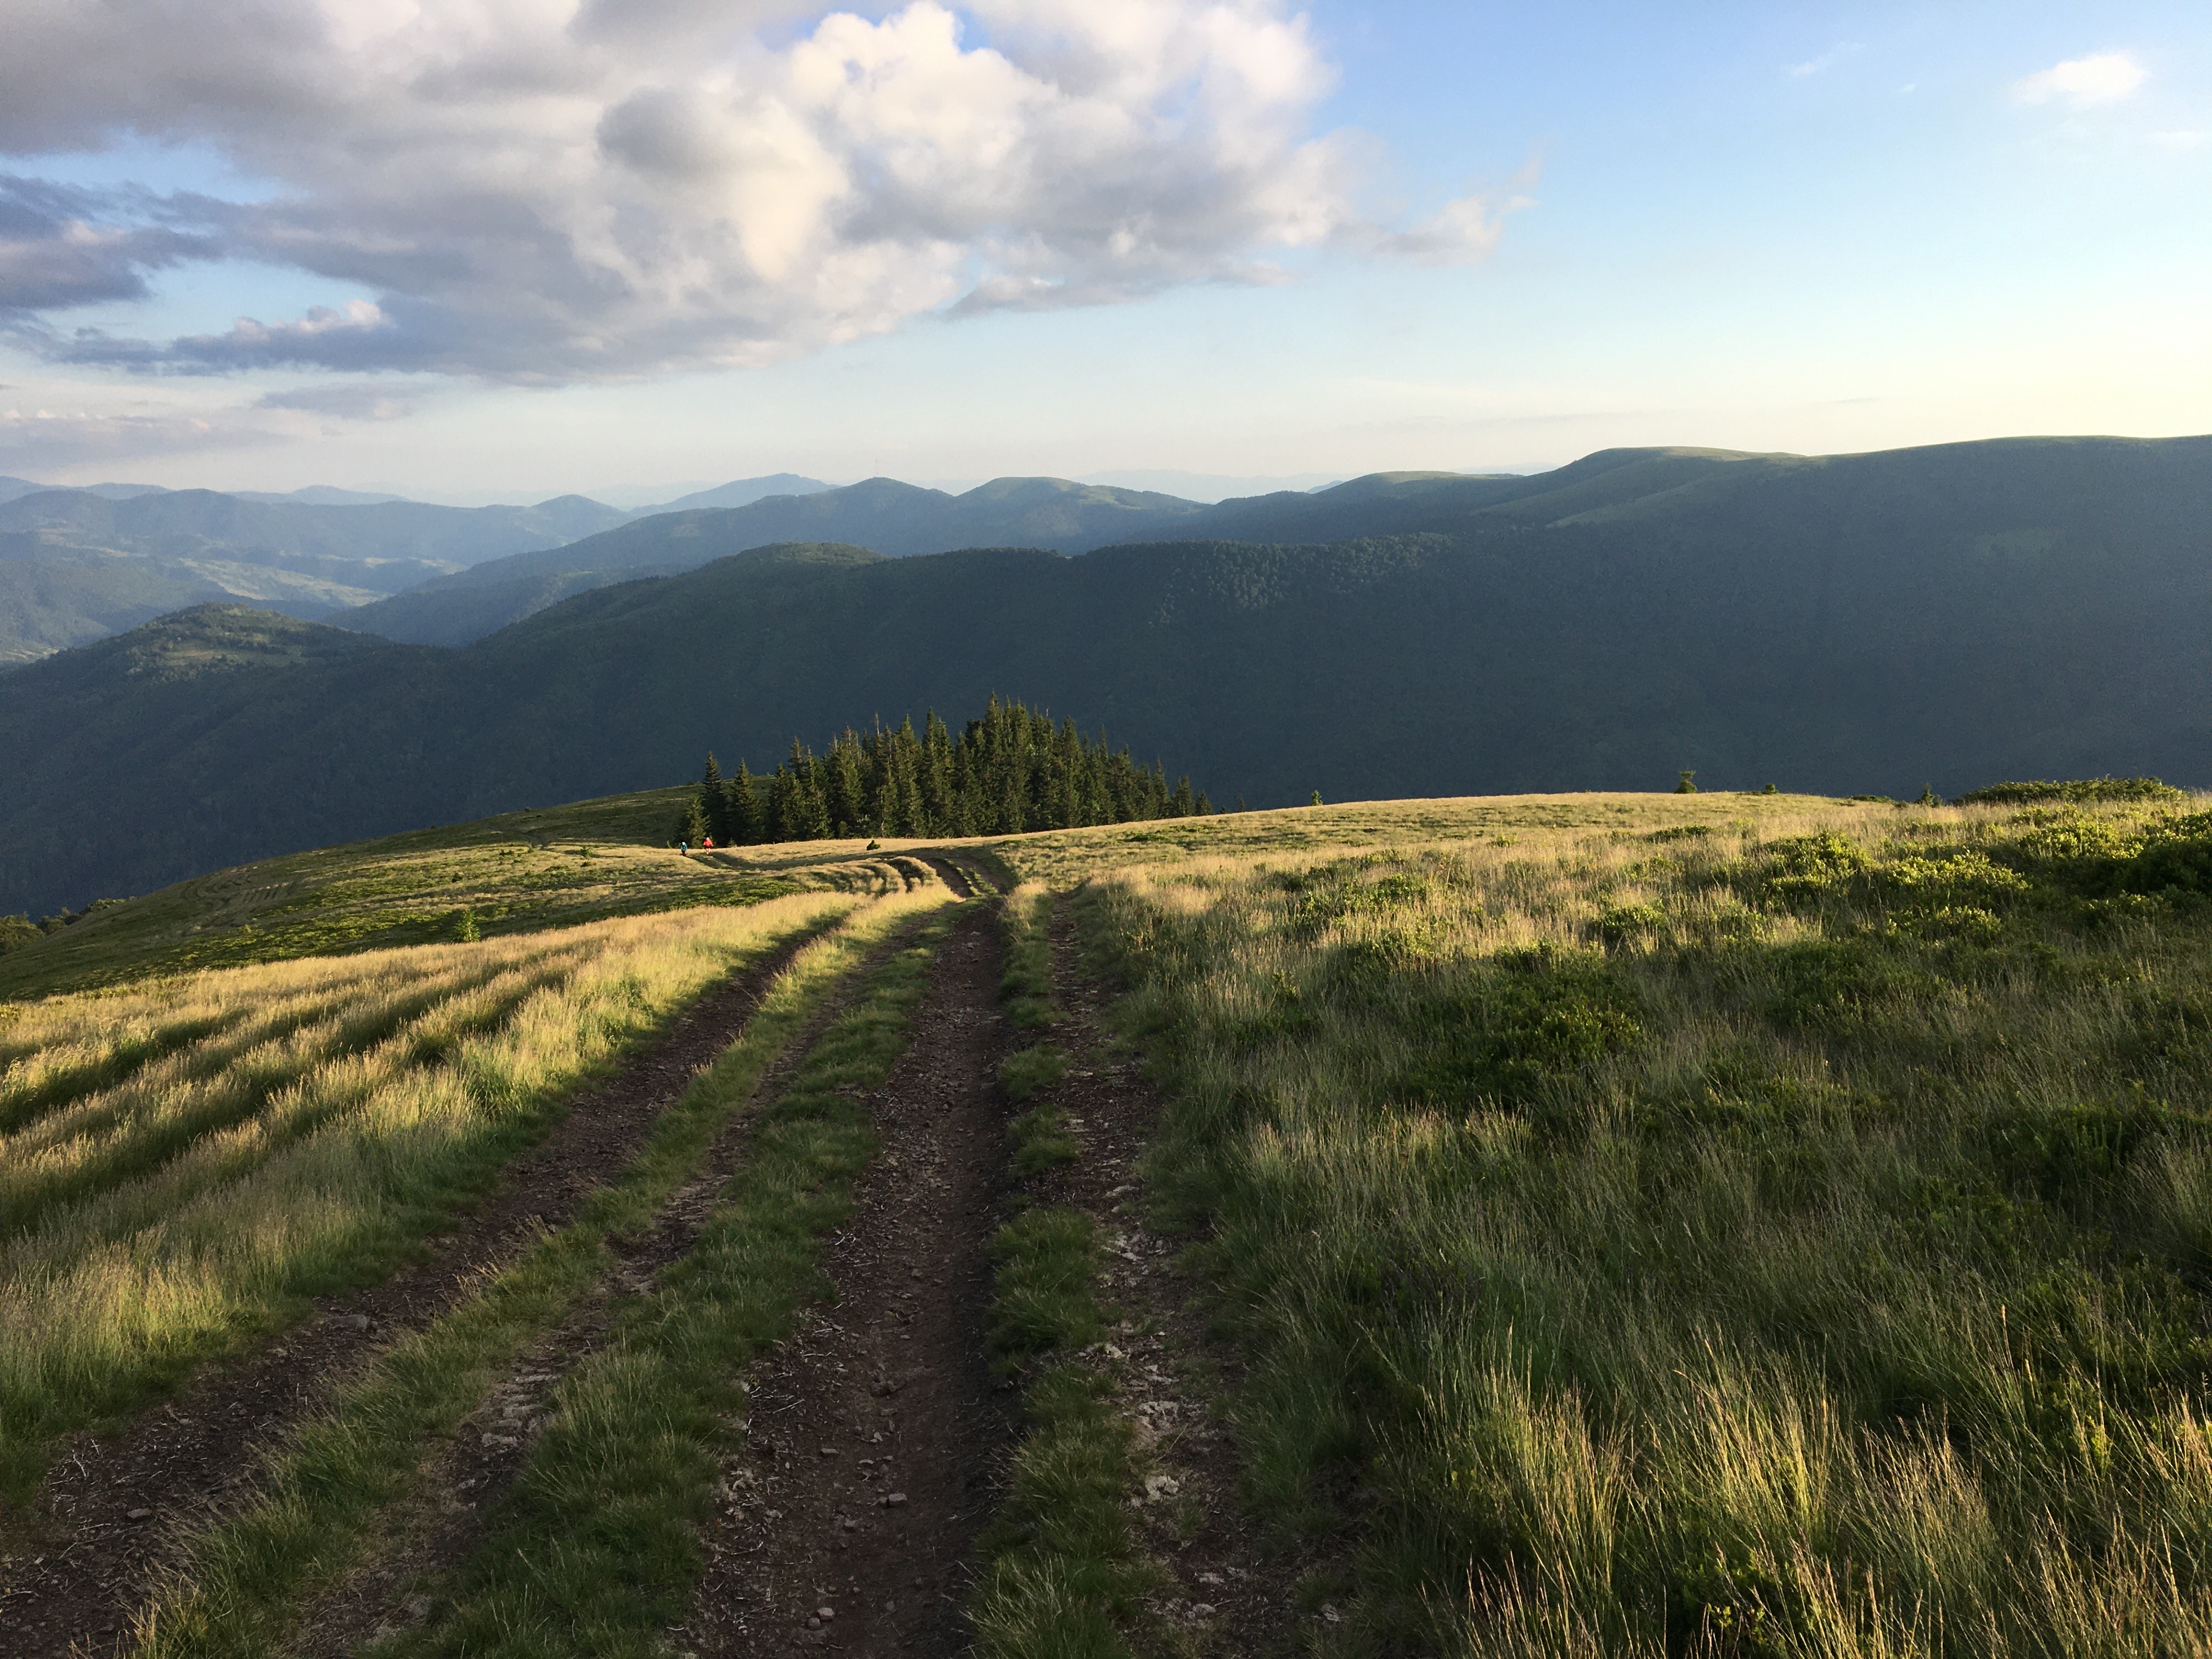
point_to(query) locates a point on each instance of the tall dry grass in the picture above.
(1786, 1239)
(330, 1115)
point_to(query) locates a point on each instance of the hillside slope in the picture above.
(49, 603)
(1598, 654)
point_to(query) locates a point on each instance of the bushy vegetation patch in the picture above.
(1025, 1072)
(2079, 791)
(1791, 1245)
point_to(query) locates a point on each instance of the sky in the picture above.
(501, 249)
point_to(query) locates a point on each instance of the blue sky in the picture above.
(1810, 227)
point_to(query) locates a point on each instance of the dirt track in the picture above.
(876, 1439)
(875, 1436)
(104, 1518)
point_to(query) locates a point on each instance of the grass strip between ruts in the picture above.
(243, 1584)
(1063, 1575)
(596, 1549)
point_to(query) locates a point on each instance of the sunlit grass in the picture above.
(344, 1108)
(1784, 1238)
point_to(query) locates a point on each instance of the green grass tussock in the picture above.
(242, 1585)
(1044, 1300)
(1026, 920)
(1025, 1072)
(1064, 1576)
(1788, 1240)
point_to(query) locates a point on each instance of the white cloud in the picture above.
(345, 400)
(36, 438)
(538, 192)
(1826, 61)
(2103, 78)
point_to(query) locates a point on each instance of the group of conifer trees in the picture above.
(1011, 770)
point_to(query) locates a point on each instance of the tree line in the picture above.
(1011, 770)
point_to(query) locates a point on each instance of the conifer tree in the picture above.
(1011, 770)
(741, 813)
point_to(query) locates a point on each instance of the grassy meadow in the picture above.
(182, 1164)
(520, 872)
(1710, 1224)
(1744, 1226)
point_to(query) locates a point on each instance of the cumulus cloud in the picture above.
(2102, 77)
(61, 246)
(541, 191)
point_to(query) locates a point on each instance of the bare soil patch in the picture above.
(875, 1438)
(102, 1524)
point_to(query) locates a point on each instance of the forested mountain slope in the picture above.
(2126, 493)
(1603, 654)
(880, 514)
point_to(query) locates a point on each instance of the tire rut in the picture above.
(105, 1521)
(1222, 1592)
(875, 1438)
(490, 1449)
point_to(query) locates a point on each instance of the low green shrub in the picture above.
(2077, 792)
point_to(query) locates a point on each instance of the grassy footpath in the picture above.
(1716, 1234)
(333, 1114)
(244, 1584)
(595, 1550)
(1064, 1576)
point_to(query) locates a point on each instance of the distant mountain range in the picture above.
(882, 514)
(1949, 615)
(78, 564)
(1968, 489)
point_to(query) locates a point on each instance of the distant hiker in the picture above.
(684, 847)
(708, 845)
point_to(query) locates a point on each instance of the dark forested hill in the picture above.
(1873, 644)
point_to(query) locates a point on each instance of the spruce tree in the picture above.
(741, 814)
(1011, 770)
